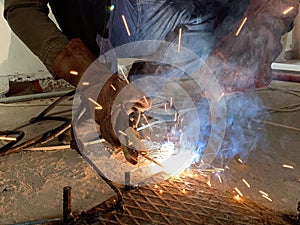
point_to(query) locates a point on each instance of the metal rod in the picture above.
(128, 185)
(31, 97)
(67, 204)
(153, 160)
(298, 212)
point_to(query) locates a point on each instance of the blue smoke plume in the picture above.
(241, 130)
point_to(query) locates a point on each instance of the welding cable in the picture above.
(47, 136)
(43, 138)
(40, 139)
(118, 206)
(292, 92)
(52, 106)
(93, 215)
(284, 90)
(286, 108)
(20, 136)
(30, 97)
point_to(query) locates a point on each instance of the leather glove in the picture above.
(73, 61)
(242, 59)
(71, 64)
(118, 124)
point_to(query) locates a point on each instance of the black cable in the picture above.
(11, 147)
(43, 138)
(52, 106)
(20, 136)
(40, 139)
(93, 216)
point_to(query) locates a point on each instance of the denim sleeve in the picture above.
(30, 22)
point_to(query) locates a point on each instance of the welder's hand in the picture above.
(118, 120)
(242, 59)
(132, 145)
(72, 62)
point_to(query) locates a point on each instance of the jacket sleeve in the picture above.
(30, 22)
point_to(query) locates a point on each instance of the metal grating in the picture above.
(188, 201)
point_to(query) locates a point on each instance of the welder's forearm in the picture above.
(30, 22)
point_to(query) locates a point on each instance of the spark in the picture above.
(221, 96)
(288, 166)
(165, 107)
(237, 198)
(187, 184)
(241, 161)
(147, 122)
(263, 193)
(121, 132)
(286, 11)
(81, 114)
(220, 179)
(123, 74)
(181, 121)
(95, 142)
(246, 183)
(146, 100)
(126, 26)
(138, 119)
(171, 102)
(155, 186)
(74, 72)
(203, 174)
(113, 87)
(8, 138)
(85, 83)
(175, 117)
(208, 183)
(238, 191)
(214, 170)
(266, 197)
(98, 106)
(148, 125)
(241, 26)
(161, 191)
(179, 38)
(183, 191)
(227, 167)
(180, 138)
(111, 7)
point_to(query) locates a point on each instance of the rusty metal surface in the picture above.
(187, 201)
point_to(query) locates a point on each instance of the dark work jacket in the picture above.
(82, 19)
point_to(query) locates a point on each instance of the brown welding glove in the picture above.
(242, 59)
(119, 118)
(71, 64)
(73, 61)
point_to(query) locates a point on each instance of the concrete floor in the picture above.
(32, 181)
